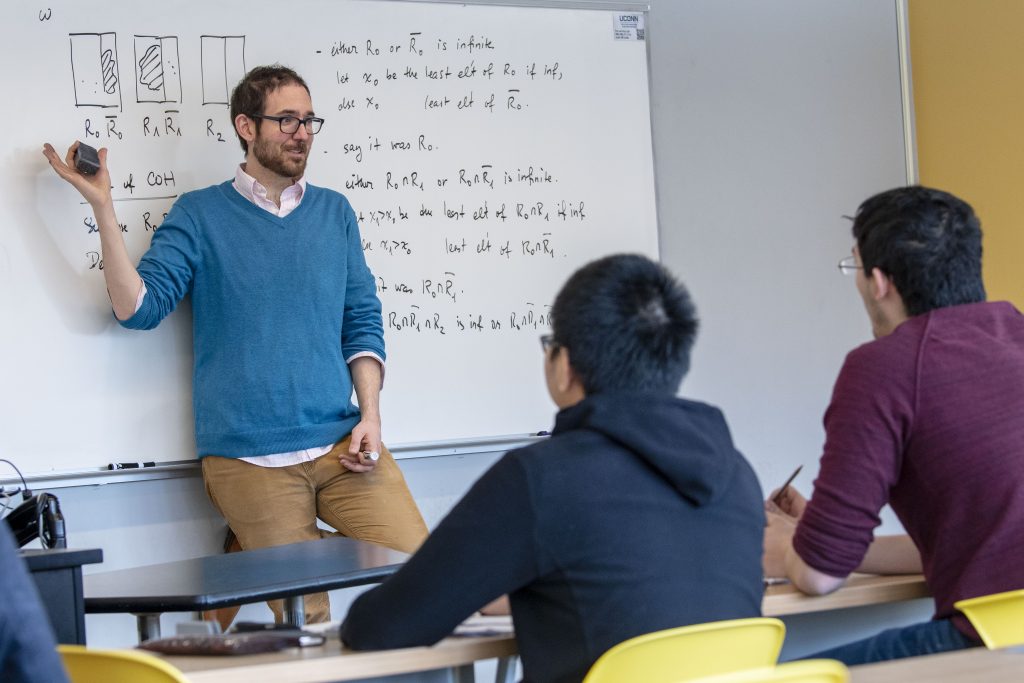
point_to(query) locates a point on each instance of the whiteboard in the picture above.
(488, 151)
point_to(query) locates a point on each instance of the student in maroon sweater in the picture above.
(928, 418)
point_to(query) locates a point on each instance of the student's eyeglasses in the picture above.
(548, 343)
(290, 124)
(848, 266)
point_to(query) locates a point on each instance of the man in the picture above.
(928, 418)
(637, 515)
(28, 650)
(286, 323)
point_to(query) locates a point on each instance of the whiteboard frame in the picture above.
(179, 469)
(907, 91)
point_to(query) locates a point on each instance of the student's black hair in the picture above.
(250, 95)
(928, 241)
(628, 323)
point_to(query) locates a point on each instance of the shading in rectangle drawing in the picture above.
(95, 70)
(223, 59)
(157, 69)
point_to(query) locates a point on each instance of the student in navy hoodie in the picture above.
(637, 515)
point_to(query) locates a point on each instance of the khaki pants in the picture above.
(268, 506)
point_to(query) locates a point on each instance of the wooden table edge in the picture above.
(347, 665)
(859, 591)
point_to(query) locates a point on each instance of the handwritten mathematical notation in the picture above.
(557, 211)
(483, 177)
(493, 83)
(415, 319)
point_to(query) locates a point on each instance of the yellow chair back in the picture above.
(998, 618)
(690, 652)
(806, 671)
(116, 666)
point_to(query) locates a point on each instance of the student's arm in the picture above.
(483, 549)
(886, 555)
(807, 578)
(895, 554)
(780, 560)
(366, 377)
(122, 279)
(867, 423)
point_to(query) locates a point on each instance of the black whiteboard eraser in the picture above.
(87, 159)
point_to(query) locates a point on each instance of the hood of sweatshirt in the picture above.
(687, 442)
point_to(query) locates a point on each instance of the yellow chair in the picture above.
(806, 671)
(690, 652)
(998, 618)
(116, 666)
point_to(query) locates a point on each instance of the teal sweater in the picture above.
(279, 304)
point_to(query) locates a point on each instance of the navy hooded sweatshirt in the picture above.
(637, 515)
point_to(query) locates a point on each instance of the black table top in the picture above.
(59, 558)
(248, 576)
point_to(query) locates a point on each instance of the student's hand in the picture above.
(95, 188)
(365, 439)
(778, 537)
(497, 607)
(791, 503)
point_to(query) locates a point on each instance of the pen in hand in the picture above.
(777, 498)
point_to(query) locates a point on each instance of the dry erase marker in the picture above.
(778, 496)
(372, 456)
(129, 465)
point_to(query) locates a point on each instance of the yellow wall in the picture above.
(967, 60)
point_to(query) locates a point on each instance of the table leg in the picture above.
(506, 669)
(462, 674)
(149, 625)
(295, 611)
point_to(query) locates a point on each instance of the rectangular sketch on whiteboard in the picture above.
(223, 63)
(157, 69)
(94, 66)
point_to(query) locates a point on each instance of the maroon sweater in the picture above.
(929, 419)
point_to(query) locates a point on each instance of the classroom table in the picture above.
(206, 583)
(860, 590)
(57, 573)
(336, 663)
(972, 665)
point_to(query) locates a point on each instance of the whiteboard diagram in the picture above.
(157, 69)
(223, 60)
(94, 67)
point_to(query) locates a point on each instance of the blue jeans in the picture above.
(928, 638)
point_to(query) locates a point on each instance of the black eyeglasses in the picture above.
(548, 343)
(848, 266)
(290, 124)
